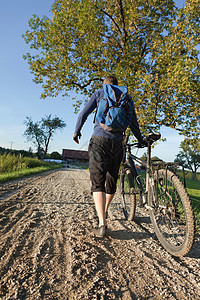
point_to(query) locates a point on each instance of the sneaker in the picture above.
(102, 231)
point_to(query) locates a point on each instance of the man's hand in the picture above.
(77, 137)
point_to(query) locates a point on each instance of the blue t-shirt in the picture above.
(98, 130)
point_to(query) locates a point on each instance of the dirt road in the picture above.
(48, 249)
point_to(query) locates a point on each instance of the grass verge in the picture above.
(193, 189)
(26, 172)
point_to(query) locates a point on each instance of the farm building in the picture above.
(75, 155)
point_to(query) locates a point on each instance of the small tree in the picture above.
(55, 155)
(40, 133)
(189, 155)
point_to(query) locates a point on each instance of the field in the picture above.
(17, 166)
(193, 188)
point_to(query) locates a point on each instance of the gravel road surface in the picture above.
(49, 250)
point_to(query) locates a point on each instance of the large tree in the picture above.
(41, 132)
(150, 45)
(189, 155)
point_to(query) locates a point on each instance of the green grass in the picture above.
(26, 172)
(193, 189)
(194, 184)
(17, 166)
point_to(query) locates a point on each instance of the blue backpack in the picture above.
(115, 110)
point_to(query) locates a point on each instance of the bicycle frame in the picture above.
(163, 196)
(131, 158)
(131, 161)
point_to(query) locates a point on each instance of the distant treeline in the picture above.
(24, 153)
(16, 152)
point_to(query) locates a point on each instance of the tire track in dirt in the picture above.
(49, 250)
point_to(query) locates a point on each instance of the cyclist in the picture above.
(105, 155)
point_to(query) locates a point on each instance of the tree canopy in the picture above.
(150, 45)
(189, 155)
(41, 132)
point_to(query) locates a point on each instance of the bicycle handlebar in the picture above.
(149, 139)
(137, 145)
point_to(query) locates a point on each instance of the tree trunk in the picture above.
(194, 174)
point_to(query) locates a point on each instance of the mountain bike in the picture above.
(162, 194)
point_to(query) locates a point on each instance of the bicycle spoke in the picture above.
(171, 212)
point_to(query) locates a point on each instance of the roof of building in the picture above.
(75, 154)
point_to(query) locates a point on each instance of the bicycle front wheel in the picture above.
(171, 214)
(128, 196)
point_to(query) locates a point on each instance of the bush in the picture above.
(10, 163)
(32, 162)
(55, 155)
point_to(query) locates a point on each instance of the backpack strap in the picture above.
(122, 95)
(117, 99)
(105, 111)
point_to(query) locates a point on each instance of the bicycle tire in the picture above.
(127, 194)
(172, 214)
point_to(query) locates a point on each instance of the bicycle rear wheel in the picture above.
(172, 214)
(127, 194)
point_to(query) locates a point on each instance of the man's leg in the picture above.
(100, 203)
(109, 198)
(113, 171)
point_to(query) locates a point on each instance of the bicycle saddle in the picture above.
(152, 137)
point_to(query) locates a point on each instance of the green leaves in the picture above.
(189, 155)
(151, 46)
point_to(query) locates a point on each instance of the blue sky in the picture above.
(20, 96)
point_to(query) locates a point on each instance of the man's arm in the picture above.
(135, 127)
(88, 109)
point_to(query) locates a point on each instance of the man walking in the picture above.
(105, 154)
